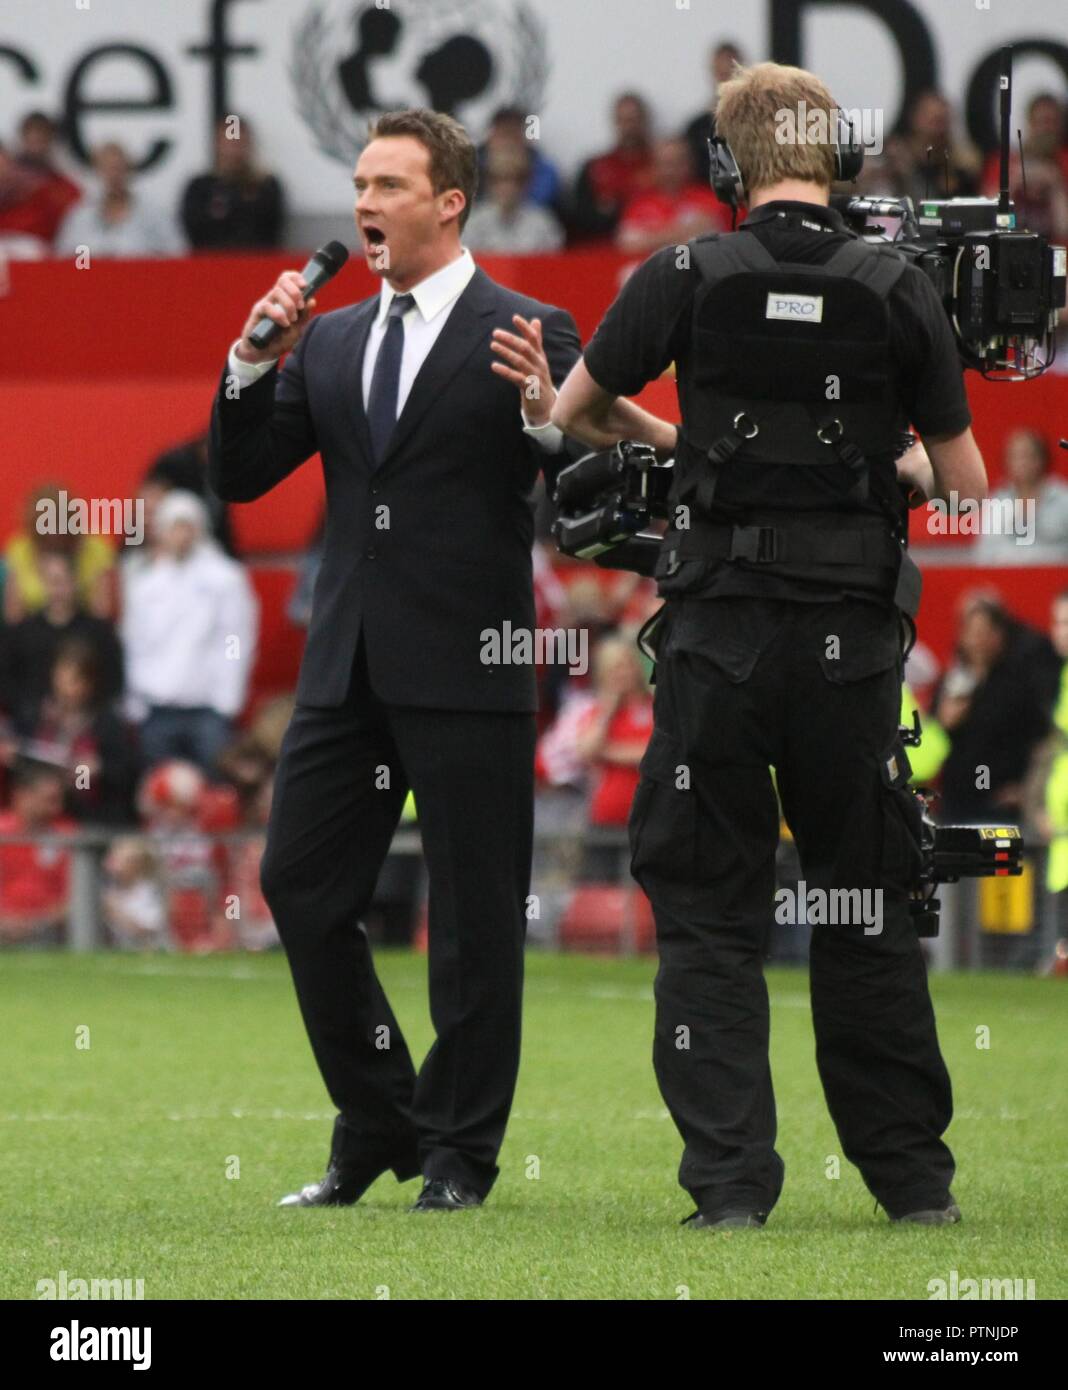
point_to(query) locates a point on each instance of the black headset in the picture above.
(726, 177)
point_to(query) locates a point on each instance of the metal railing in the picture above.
(562, 875)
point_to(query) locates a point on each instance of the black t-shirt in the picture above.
(649, 326)
(222, 214)
(28, 652)
(1007, 716)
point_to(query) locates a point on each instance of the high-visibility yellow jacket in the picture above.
(927, 757)
(1057, 795)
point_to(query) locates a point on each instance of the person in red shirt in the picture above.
(611, 740)
(34, 195)
(34, 876)
(607, 182)
(675, 209)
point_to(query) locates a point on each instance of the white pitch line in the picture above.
(179, 1117)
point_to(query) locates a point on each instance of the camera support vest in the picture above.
(790, 365)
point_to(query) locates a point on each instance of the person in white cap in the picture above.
(189, 627)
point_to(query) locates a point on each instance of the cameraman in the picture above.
(801, 354)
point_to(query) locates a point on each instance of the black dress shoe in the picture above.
(350, 1172)
(444, 1194)
(726, 1220)
(339, 1188)
(930, 1216)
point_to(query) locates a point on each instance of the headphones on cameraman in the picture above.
(726, 177)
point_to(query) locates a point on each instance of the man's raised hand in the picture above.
(524, 363)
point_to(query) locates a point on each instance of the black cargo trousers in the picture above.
(812, 690)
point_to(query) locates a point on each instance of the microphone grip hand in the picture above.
(284, 306)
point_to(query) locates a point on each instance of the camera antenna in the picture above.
(927, 173)
(945, 168)
(1005, 96)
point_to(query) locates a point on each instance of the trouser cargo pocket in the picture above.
(662, 825)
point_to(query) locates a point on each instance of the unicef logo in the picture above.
(464, 57)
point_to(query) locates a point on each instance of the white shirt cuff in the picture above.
(246, 373)
(549, 437)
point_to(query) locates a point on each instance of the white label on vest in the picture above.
(798, 308)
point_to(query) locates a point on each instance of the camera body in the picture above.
(607, 500)
(1001, 287)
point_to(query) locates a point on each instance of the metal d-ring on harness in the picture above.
(909, 580)
(831, 432)
(770, 543)
(721, 452)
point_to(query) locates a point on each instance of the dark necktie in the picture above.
(382, 405)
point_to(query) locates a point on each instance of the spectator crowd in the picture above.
(650, 188)
(126, 699)
(127, 709)
(123, 674)
(45, 210)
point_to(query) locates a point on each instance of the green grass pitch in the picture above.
(121, 1160)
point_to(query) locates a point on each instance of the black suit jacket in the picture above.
(433, 548)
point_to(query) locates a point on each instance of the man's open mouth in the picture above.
(373, 235)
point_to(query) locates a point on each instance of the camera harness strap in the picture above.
(716, 259)
(720, 257)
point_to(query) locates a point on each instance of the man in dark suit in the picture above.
(429, 455)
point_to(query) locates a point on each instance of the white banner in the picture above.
(310, 74)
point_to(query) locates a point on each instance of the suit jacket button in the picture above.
(370, 555)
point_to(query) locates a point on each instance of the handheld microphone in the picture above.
(323, 266)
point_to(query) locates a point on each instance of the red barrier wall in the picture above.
(101, 369)
(104, 368)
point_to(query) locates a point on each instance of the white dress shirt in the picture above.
(434, 299)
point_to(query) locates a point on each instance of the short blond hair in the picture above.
(756, 105)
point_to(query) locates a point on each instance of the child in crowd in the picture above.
(135, 908)
(34, 877)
